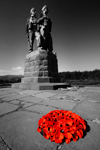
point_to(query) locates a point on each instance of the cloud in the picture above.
(13, 71)
(17, 68)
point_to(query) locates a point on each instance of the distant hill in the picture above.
(10, 79)
(10, 76)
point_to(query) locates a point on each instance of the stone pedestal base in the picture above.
(40, 72)
(40, 86)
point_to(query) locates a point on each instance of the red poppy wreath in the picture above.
(59, 125)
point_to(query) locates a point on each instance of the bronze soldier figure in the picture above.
(45, 30)
(31, 29)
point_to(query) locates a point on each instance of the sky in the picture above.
(75, 34)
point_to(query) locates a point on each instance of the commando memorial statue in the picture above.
(39, 29)
(41, 65)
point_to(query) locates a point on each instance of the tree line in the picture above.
(10, 79)
(92, 77)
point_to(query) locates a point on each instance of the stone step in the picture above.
(40, 86)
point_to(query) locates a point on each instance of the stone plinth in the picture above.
(40, 66)
(40, 72)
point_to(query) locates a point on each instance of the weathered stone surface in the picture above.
(7, 91)
(37, 55)
(34, 63)
(30, 92)
(7, 95)
(46, 73)
(16, 102)
(12, 97)
(31, 99)
(89, 142)
(39, 58)
(28, 64)
(3, 93)
(40, 86)
(26, 104)
(86, 107)
(42, 57)
(45, 95)
(45, 62)
(47, 86)
(92, 95)
(50, 64)
(36, 79)
(40, 74)
(36, 68)
(20, 86)
(41, 109)
(43, 68)
(19, 130)
(38, 63)
(11, 90)
(6, 108)
(33, 74)
(32, 68)
(57, 104)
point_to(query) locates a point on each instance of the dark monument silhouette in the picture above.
(41, 65)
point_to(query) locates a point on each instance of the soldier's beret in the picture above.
(32, 10)
(44, 7)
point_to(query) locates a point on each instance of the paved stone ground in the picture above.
(20, 111)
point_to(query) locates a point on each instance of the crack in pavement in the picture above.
(36, 112)
(4, 145)
(50, 106)
(10, 112)
(78, 103)
(21, 106)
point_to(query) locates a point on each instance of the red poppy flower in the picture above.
(59, 125)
